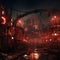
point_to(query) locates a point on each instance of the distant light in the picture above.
(46, 40)
(24, 40)
(12, 38)
(26, 29)
(34, 55)
(26, 56)
(3, 12)
(55, 17)
(4, 20)
(55, 34)
(11, 23)
(50, 39)
(11, 20)
(19, 23)
(35, 26)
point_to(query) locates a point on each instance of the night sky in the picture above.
(31, 4)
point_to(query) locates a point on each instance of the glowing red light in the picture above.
(3, 12)
(26, 29)
(55, 17)
(24, 40)
(46, 40)
(19, 22)
(54, 34)
(50, 39)
(12, 37)
(34, 55)
(4, 20)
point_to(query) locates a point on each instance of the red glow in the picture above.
(55, 17)
(19, 22)
(54, 34)
(4, 20)
(34, 56)
(26, 29)
(12, 37)
(46, 40)
(25, 40)
(3, 12)
(50, 39)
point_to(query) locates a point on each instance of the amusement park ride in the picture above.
(17, 39)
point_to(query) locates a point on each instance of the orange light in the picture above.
(4, 20)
